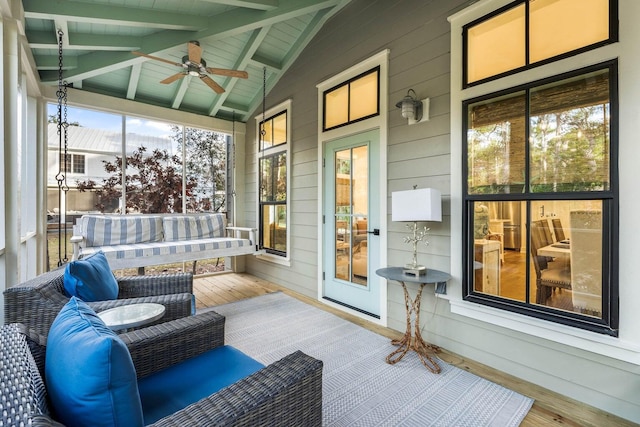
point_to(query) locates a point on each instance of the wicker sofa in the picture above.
(287, 392)
(36, 302)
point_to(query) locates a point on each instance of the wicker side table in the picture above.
(412, 339)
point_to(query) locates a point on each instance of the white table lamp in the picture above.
(419, 204)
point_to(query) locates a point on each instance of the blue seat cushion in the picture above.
(178, 386)
(90, 279)
(90, 376)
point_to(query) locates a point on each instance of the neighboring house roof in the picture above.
(99, 141)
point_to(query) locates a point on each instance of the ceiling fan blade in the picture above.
(228, 73)
(213, 85)
(195, 52)
(157, 58)
(173, 78)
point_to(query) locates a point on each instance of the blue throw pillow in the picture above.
(90, 376)
(91, 279)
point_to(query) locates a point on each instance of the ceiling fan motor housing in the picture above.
(193, 68)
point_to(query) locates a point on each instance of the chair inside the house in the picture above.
(586, 261)
(360, 232)
(547, 237)
(549, 275)
(558, 230)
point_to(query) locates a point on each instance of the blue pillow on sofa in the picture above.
(90, 279)
(89, 373)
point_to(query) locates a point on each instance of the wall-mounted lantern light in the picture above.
(414, 110)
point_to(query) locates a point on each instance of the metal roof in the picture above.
(90, 140)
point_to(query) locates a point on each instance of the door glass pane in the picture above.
(496, 145)
(570, 134)
(496, 45)
(566, 255)
(575, 24)
(351, 206)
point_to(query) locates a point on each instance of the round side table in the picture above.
(131, 315)
(412, 339)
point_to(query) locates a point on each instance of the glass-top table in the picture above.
(132, 315)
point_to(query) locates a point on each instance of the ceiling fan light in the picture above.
(194, 73)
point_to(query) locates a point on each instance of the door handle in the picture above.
(375, 232)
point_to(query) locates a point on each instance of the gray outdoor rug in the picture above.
(359, 388)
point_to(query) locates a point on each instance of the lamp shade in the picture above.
(420, 204)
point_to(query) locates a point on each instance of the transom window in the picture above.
(273, 131)
(354, 100)
(529, 33)
(540, 198)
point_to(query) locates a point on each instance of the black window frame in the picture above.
(609, 323)
(272, 152)
(261, 147)
(613, 38)
(348, 83)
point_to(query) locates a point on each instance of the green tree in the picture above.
(54, 119)
(205, 161)
(153, 183)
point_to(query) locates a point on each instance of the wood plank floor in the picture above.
(549, 408)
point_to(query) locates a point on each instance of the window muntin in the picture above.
(351, 101)
(529, 33)
(571, 114)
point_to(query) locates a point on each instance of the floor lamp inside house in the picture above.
(413, 206)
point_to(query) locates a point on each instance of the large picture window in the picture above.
(540, 198)
(528, 33)
(273, 182)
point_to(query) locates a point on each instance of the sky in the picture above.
(112, 122)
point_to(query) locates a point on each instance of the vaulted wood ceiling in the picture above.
(99, 37)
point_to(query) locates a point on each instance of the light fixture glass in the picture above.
(423, 204)
(411, 106)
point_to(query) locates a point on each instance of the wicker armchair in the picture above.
(36, 302)
(287, 392)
